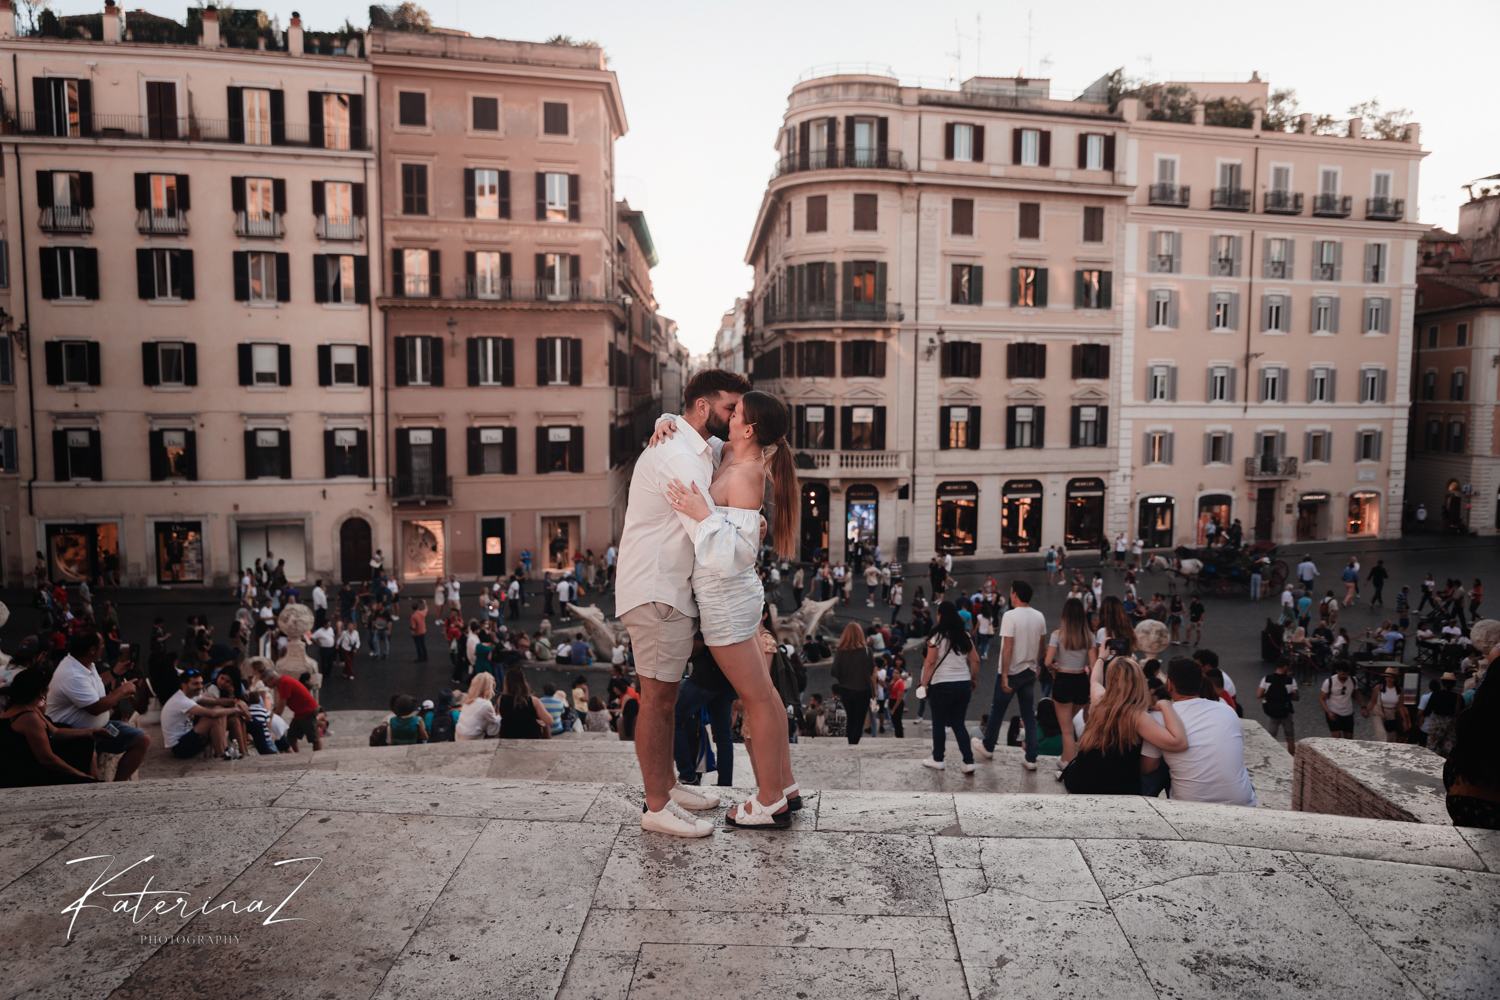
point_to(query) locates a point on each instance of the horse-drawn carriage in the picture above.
(1221, 570)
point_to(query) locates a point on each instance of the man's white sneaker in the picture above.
(675, 821)
(978, 745)
(693, 798)
(1030, 765)
(936, 765)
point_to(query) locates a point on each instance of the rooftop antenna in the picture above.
(1044, 67)
(1028, 43)
(978, 41)
(957, 55)
(1150, 71)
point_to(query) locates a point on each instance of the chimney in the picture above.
(294, 35)
(7, 19)
(1259, 119)
(111, 24)
(1307, 123)
(1356, 127)
(1130, 108)
(1199, 113)
(210, 38)
(351, 47)
(1414, 134)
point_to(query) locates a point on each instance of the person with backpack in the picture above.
(404, 727)
(1277, 692)
(441, 719)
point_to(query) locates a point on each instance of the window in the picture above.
(338, 278)
(967, 285)
(1328, 181)
(1229, 176)
(1429, 384)
(1463, 335)
(1093, 291)
(863, 286)
(336, 121)
(1435, 434)
(1218, 448)
(554, 118)
(345, 456)
(1328, 257)
(1325, 314)
(69, 273)
(864, 428)
(1432, 336)
(1024, 426)
(262, 276)
(1367, 446)
(1163, 308)
(1319, 447)
(486, 193)
(1224, 311)
(257, 115)
(815, 427)
(268, 454)
(1281, 179)
(163, 194)
(961, 360)
(1090, 361)
(492, 451)
(492, 361)
(1093, 152)
(1030, 143)
(413, 108)
(1381, 184)
(491, 274)
(413, 189)
(1376, 257)
(1372, 383)
(1377, 315)
(75, 356)
(1221, 379)
(1456, 385)
(1320, 385)
(174, 460)
(1163, 252)
(559, 361)
(344, 364)
(167, 274)
(963, 143)
(815, 359)
(260, 199)
(864, 359)
(787, 231)
(1158, 447)
(265, 364)
(958, 427)
(416, 268)
(1030, 221)
(963, 216)
(78, 454)
(486, 114)
(1275, 314)
(865, 213)
(1278, 263)
(557, 201)
(1089, 426)
(1093, 224)
(559, 449)
(1272, 384)
(1161, 384)
(1026, 361)
(171, 363)
(1455, 437)
(1028, 286)
(61, 113)
(418, 353)
(557, 273)
(817, 214)
(1166, 171)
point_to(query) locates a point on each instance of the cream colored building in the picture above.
(187, 225)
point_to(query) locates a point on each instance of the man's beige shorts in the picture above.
(662, 639)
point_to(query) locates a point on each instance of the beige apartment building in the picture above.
(1455, 436)
(920, 254)
(516, 307)
(189, 343)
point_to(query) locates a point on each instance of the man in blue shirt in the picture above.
(582, 654)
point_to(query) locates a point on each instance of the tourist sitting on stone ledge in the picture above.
(1472, 773)
(522, 714)
(189, 727)
(1211, 768)
(1108, 759)
(35, 752)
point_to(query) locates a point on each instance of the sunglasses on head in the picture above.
(190, 673)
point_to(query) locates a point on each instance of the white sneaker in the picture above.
(936, 765)
(970, 768)
(676, 821)
(978, 745)
(1030, 765)
(690, 797)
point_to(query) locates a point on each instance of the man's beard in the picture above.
(717, 426)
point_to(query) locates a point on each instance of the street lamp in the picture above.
(934, 342)
(453, 334)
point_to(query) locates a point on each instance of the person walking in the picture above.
(1377, 578)
(1277, 691)
(1023, 637)
(1429, 594)
(1068, 655)
(1350, 576)
(1337, 697)
(348, 645)
(1307, 572)
(950, 673)
(1196, 611)
(1391, 720)
(418, 625)
(854, 680)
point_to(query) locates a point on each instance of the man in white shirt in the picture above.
(1212, 768)
(319, 603)
(1023, 642)
(1306, 572)
(609, 567)
(1337, 696)
(566, 591)
(76, 699)
(513, 596)
(324, 639)
(948, 562)
(654, 591)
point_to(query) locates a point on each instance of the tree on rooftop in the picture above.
(585, 43)
(406, 16)
(1229, 112)
(28, 15)
(1382, 124)
(1282, 112)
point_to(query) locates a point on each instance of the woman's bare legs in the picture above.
(1065, 720)
(766, 741)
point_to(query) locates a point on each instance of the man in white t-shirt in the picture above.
(1212, 768)
(319, 603)
(1023, 639)
(1337, 695)
(77, 699)
(188, 727)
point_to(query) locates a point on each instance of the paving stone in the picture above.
(774, 871)
(1271, 932)
(741, 972)
(1121, 866)
(1486, 844)
(506, 924)
(485, 797)
(886, 812)
(25, 845)
(1438, 926)
(131, 798)
(598, 975)
(1069, 816)
(1045, 870)
(95, 986)
(520, 765)
(195, 856)
(1346, 836)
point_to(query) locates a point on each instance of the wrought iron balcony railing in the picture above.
(1282, 203)
(1270, 467)
(1229, 199)
(65, 219)
(154, 223)
(1333, 206)
(1172, 195)
(1385, 209)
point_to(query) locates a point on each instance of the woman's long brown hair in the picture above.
(1112, 723)
(772, 419)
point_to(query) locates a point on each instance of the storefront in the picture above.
(1021, 516)
(492, 546)
(1364, 513)
(814, 522)
(957, 518)
(1312, 517)
(273, 542)
(561, 537)
(179, 552)
(1083, 524)
(1157, 521)
(423, 549)
(1213, 509)
(862, 503)
(78, 552)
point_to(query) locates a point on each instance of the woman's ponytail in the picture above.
(783, 472)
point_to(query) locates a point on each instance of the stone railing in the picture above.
(1396, 781)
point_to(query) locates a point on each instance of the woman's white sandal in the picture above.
(776, 816)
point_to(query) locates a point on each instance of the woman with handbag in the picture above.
(854, 679)
(1391, 722)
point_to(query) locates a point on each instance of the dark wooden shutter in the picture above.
(362, 280)
(315, 119)
(86, 189)
(508, 451)
(880, 359)
(575, 450)
(1015, 145)
(96, 373)
(41, 100)
(543, 350)
(284, 447)
(361, 365)
(48, 268)
(284, 363)
(325, 364)
(973, 428)
(184, 193)
(1039, 426)
(330, 449)
(283, 277)
(236, 194)
(241, 276)
(945, 361)
(319, 203)
(574, 212)
(846, 426)
(189, 364)
(357, 200)
(247, 364)
(1077, 361)
(1083, 150)
(87, 262)
(145, 275)
(1012, 359)
(362, 451)
(505, 194)
(1109, 152)
(541, 197)
(474, 448)
(190, 455)
(1101, 435)
(435, 274)
(880, 428)
(278, 195)
(142, 191)
(403, 453)
(978, 143)
(278, 118)
(472, 356)
(945, 422)
(575, 269)
(86, 115)
(398, 272)
(435, 353)
(882, 139)
(320, 277)
(1015, 286)
(236, 114)
(439, 457)
(252, 468)
(357, 123)
(1073, 425)
(60, 456)
(542, 449)
(150, 364)
(1010, 427)
(948, 130)
(469, 207)
(1105, 289)
(1044, 157)
(575, 361)
(187, 285)
(1041, 287)
(398, 360)
(1104, 368)
(846, 356)
(507, 361)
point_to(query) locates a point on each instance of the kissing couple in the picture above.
(692, 536)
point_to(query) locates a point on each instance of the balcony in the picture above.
(153, 128)
(1170, 195)
(154, 223)
(834, 464)
(1333, 206)
(800, 312)
(1264, 467)
(478, 289)
(1229, 199)
(1278, 270)
(475, 287)
(1282, 203)
(421, 490)
(65, 219)
(330, 229)
(1385, 209)
(871, 312)
(853, 159)
(267, 227)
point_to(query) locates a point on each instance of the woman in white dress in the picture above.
(729, 593)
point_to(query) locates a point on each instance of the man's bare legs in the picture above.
(744, 663)
(654, 729)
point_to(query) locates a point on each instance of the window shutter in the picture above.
(48, 268)
(848, 139)
(94, 372)
(944, 423)
(1078, 294)
(315, 119)
(60, 456)
(1236, 256)
(1083, 151)
(1265, 313)
(1307, 448)
(948, 144)
(362, 365)
(575, 361)
(1015, 146)
(1263, 373)
(284, 363)
(1291, 258)
(880, 359)
(435, 352)
(362, 280)
(1109, 152)
(236, 114)
(575, 450)
(1102, 435)
(142, 191)
(284, 277)
(435, 274)
(86, 110)
(880, 428)
(507, 361)
(846, 426)
(1176, 253)
(236, 194)
(575, 214)
(1208, 447)
(1015, 286)
(973, 428)
(320, 277)
(86, 189)
(475, 449)
(543, 352)
(541, 196)
(252, 468)
(1333, 381)
(1010, 427)
(278, 195)
(505, 194)
(882, 137)
(1073, 426)
(1106, 290)
(469, 269)
(848, 293)
(1077, 355)
(1039, 426)
(145, 277)
(1229, 447)
(542, 449)
(325, 364)
(1153, 262)
(247, 370)
(1338, 261)
(439, 456)
(1372, 261)
(508, 451)
(978, 143)
(150, 364)
(1172, 318)
(472, 353)
(87, 262)
(1045, 157)
(1385, 315)
(846, 358)
(469, 208)
(1311, 389)
(242, 275)
(278, 118)
(187, 288)
(1171, 377)
(319, 202)
(403, 453)
(1379, 434)
(357, 200)
(945, 361)
(1012, 359)
(1234, 310)
(1265, 258)
(1281, 444)
(976, 284)
(398, 272)
(398, 360)
(329, 450)
(1380, 386)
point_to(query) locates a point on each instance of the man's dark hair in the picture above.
(1021, 589)
(84, 642)
(1206, 658)
(548, 690)
(711, 382)
(1186, 676)
(1347, 666)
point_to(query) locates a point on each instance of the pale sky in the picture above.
(705, 85)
